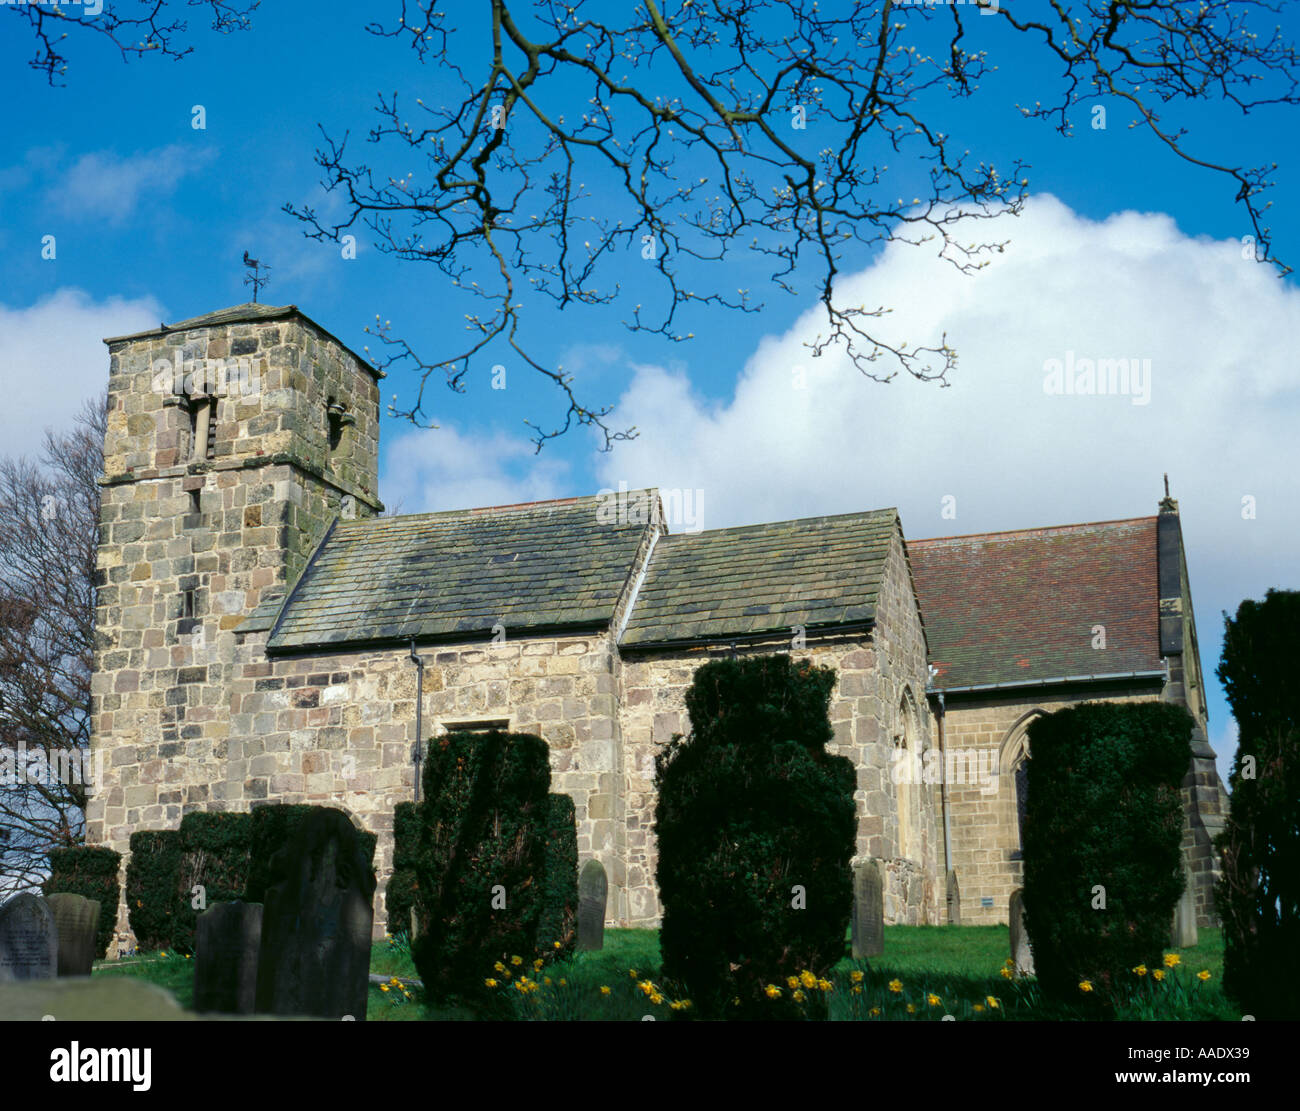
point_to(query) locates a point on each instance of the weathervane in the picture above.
(257, 278)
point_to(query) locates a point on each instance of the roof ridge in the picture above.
(1037, 528)
(789, 521)
(479, 510)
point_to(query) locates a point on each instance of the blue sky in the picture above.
(1123, 251)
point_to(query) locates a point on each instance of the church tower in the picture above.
(233, 440)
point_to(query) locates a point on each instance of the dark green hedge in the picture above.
(152, 899)
(559, 920)
(399, 896)
(483, 827)
(214, 854)
(272, 826)
(89, 871)
(1103, 810)
(751, 805)
(1258, 897)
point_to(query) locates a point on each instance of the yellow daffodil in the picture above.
(1085, 985)
(792, 981)
(771, 991)
(911, 1008)
(807, 978)
(1158, 974)
(557, 944)
(933, 999)
(537, 964)
(489, 982)
(874, 1012)
(978, 1007)
(896, 986)
(656, 998)
(824, 985)
(499, 966)
(1203, 975)
(604, 990)
(383, 987)
(798, 996)
(564, 983)
(1006, 973)
(1172, 959)
(857, 989)
(992, 1001)
(1141, 970)
(856, 976)
(546, 980)
(516, 961)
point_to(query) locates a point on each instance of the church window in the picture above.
(203, 429)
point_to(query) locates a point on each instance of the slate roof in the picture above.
(544, 565)
(1013, 607)
(739, 582)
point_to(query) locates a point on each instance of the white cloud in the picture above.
(1221, 334)
(52, 358)
(106, 185)
(425, 470)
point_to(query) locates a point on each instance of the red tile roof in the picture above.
(1008, 607)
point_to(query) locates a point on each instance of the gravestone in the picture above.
(76, 919)
(106, 998)
(29, 941)
(226, 942)
(314, 957)
(868, 910)
(1021, 952)
(593, 889)
(954, 900)
(1183, 934)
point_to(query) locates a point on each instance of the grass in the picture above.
(958, 965)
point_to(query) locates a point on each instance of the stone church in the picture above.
(265, 635)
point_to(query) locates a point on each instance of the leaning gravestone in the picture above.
(1183, 934)
(954, 900)
(314, 957)
(227, 939)
(29, 940)
(593, 889)
(76, 919)
(1021, 953)
(868, 910)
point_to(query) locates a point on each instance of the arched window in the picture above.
(1013, 765)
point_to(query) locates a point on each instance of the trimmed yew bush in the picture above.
(755, 826)
(1102, 843)
(1258, 897)
(559, 919)
(152, 876)
(481, 861)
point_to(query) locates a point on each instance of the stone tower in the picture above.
(233, 440)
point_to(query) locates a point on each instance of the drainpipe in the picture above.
(418, 754)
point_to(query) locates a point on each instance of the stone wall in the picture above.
(878, 672)
(982, 737)
(340, 731)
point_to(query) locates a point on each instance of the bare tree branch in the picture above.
(554, 144)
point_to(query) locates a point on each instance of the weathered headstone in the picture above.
(1021, 953)
(593, 889)
(226, 943)
(29, 941)
(314, 957)
(954, 900)
(1183, 934)
(76, 919)
(868, 930)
